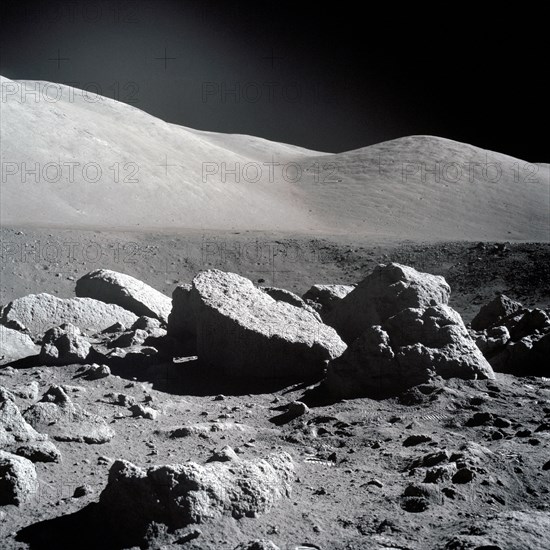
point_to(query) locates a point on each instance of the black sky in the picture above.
(331, 79)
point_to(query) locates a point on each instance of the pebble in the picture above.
(375, 482)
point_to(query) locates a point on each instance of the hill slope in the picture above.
(72, 159)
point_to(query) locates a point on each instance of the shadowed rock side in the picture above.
(324, 298)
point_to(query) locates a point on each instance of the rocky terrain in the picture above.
(261, 391)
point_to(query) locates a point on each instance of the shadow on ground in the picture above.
(83, 529)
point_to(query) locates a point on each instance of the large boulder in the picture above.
(385, 292)
(18, 479)
(64, 345)
(181, 494)
(492, 313)
(36, 313)
(248, 333)
(406, 350)
(126, 291)
(15, 345)
(56, 415)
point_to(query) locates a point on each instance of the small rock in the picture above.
(297, 408)
(413, 440)
(258, 544)
(227, 454)
(122, 399)
(95, 372)
(440, 473)
(375, 482)
(524, 433)
(463, 475)
(186, 535)
(431, 459)
(415, 505)
(500, 422)
(480, 419)
(144, 412)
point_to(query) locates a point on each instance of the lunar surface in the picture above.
(215, 341)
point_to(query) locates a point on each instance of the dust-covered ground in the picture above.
(358, 469)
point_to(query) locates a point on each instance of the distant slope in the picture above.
(430, 187)
(102, 163)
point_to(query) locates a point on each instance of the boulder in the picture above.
(15, 345)
(14, 429)
(525, 357)
(125, 291)
(406, 350)
(39, 451)
(95, 372)
(181, 321)
(56, 415)
(64, 345)
(181, 494)
(497, 309)
(385, 292)
(39, 312)
(325, 297)
(18, 479)
(246, 332)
